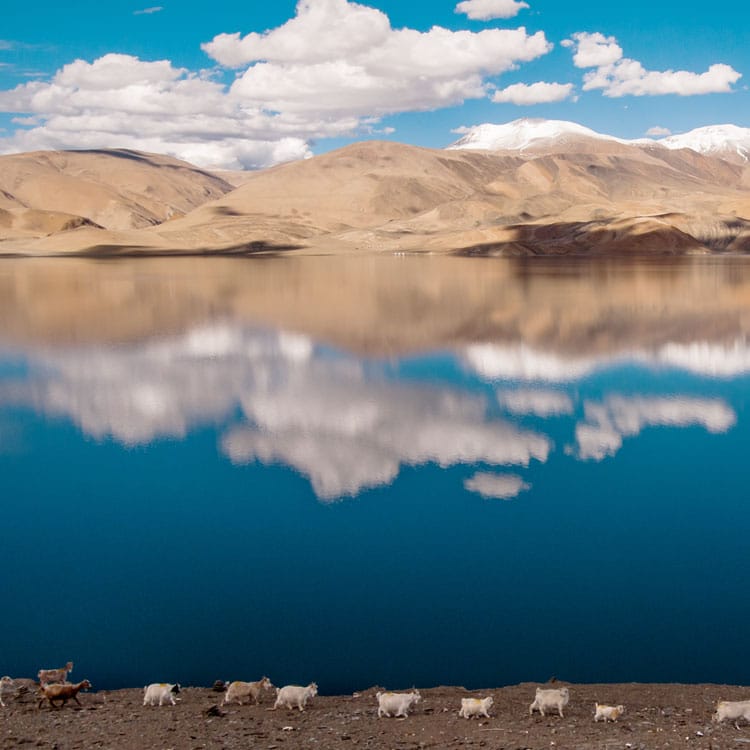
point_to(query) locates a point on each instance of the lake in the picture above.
(395, 471)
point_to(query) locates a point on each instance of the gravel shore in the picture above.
(657, 716)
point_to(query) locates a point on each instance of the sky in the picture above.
(249, 84)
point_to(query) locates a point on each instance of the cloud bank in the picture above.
(333, 70)
(150, 106)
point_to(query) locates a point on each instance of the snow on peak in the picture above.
(720, 140)
(713, 139)
(523, 133)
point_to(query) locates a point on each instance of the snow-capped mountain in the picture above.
(720, 140)
(726, 141)
(525, 133)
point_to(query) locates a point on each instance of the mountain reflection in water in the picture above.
(469, 380)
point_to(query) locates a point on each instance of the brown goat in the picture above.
(51, 676)
(62, 693)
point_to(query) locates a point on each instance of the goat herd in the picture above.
(54, 688)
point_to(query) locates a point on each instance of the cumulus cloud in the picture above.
(540, 403)
(487, 10)
(333, 70)
(500, 486)
(535, 93)
(607, 423)
(120, 100)
(657, 131)
(618, 76)
(345, 59)
(593, 50)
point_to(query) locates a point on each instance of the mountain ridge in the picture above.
(572, 193)
(526, 133)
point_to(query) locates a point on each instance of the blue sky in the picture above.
(328, 72)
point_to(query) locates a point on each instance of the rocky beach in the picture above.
(656, 716)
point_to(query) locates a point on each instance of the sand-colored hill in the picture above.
(582, 196)
(49, 192)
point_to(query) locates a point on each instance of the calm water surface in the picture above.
(396, 471)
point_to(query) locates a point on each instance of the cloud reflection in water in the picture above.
(499, 486)
(343, 423)
(322, 415)
(618, 417)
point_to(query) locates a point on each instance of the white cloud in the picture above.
(593, 50)
(536, 93)
(119, 100)
(541, 403)
(617, 417)
(620, 76)
(148, 11)
(657, 131)
(334, 69)
(629, 77)
(487, 10)
(500, 486)
(344, 59)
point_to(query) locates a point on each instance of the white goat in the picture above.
(397, 704)
(476, 707)
(732, 710)
(550, 698)
(55, 676)
(160, 692)
(607, 713)
(4, 682)
(292, 696)
(239, 691)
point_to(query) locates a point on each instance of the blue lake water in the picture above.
(397, 471)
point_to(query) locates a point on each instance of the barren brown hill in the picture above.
(47, 192)
(585, 197)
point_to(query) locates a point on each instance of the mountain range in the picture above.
(728, 142)
(530, 187)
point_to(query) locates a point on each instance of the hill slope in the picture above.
(46, 192)
(571, 192)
